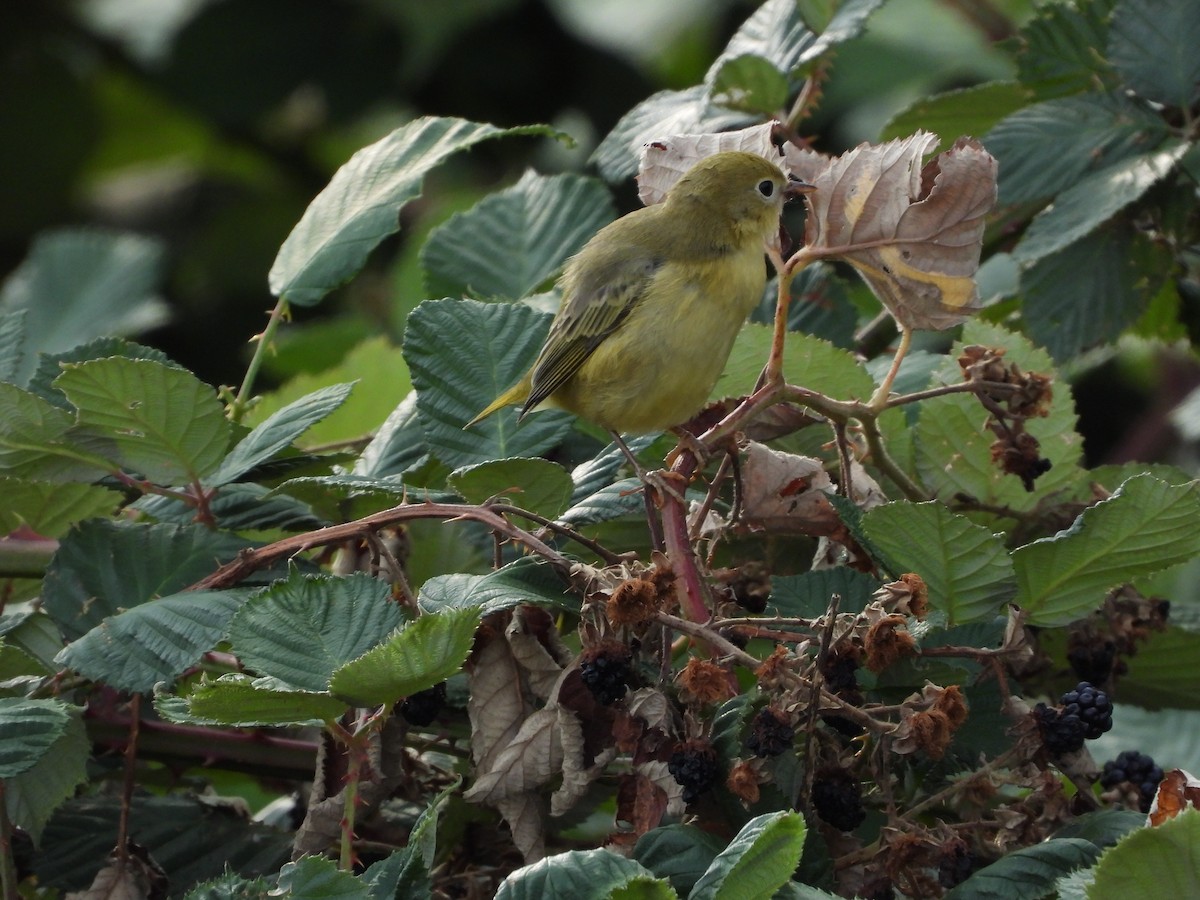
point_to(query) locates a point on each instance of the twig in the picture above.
(238, 406)
(562, 530)
(135, 718)
(398, 578)
(887, 465)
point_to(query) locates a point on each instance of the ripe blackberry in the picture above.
(770, 734)
(1137, 769)
(694, 767)
(1092, 706)
(837, 798)
(1091, 659)
(605, 670)
(955, 865)
(1061, 732)
(422, 707)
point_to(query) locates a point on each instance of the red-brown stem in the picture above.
(135, 718)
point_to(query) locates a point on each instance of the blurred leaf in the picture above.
(1089, 292)
(1103, 827)
(577, 874)
(155, 420)
(303, 629)
(1079, 209)
(807, 595)
(243, 702)
(277, 432)
(422, 654)
(511, 242)
(1029, 872)
(966, 568)
(77, 285)
(50, 509)
(1146, 526)
(537, 485)
(12, 342)
(1057, 49)
(36, 441)
(681, 853)
(1163, 674)
(462, 353)
(28, 728)
(972, 111)
(750, 83)
(1048, 147)
(361, 204)
(953, 444)
(104, 567)
(33, 795)
(1161, 860)
(239, 508)
(524, 581)
(1152, 45)
(398, 445)
(153, 642)
(757, 862)
(381, 382)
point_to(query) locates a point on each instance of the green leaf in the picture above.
(774, 33)
(1081, 208)
(599, 471)
(50, 365)
(361, 204)
(103, 568)
(35, 441)
(278, 431)
(28, 728)
(1048, 147)
(398, 445)
(510, 244)
(1028, 873)
(50, 509)
(303, 629)
(317, 878)
(524, 581)
(807, 595)
(807, 361)
(660, 116)
(537, 485)
(231, 886)
(1146, 526)
(153, 642)
(972, 110)
(953, 444)
(1162, 673)
(12, 340)
(423, 653)
(405, 873)
(155, 420)
(32, 796)
(1152, 45)
(238, 507)
(1103, 827)
(462, 353)
(76, 285)
(750, 83)
(1058, 48)
(382, 382)
(757, 862)
(966, 568)
(680, 853)
(1163, 857)
(574, 875)
(243, 702)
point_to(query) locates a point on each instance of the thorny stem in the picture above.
(562, 531)
(239, 405)
(711, 497)
(135, 718)
(395, 571)
(688, 585)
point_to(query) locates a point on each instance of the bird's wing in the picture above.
(597, 302)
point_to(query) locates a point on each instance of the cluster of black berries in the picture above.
(1082, 714)
(694, 767)
(1137, 769)
(422, 707)
(837, 798)
(840, 670)
(770, 734)
(606, 672)
(956, 865)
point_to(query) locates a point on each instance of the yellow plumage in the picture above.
(653, 302)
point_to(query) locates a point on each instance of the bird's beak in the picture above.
(797, 188)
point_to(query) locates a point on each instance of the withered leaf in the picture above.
(664, 161)
(532, 758)
(787, 493)
(537, 647)
(497, 704)
(1178, 790)
(576, 771)
(526, 816)
(914, 233)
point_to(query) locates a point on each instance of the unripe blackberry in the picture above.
(837, 798)
(422, 707)
(1134, 768)
(694, 767)
(770, 734)
(1092, 706)
(605, 670)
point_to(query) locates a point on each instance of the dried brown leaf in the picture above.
(914, 233)
(497, 704)
(656, 772)
(530, 760)
(1177, 791)
(578, 770)
(537, 648)
(526, 817)
(640, 802)
(783, 492)
(664, 160)
(135, 877)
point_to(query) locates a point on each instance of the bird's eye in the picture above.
(766, 188)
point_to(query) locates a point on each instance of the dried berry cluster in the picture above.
(1024, 395)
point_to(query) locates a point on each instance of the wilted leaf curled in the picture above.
(787, 493)
(665, 159)
(914, 234)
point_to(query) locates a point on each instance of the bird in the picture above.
(653, 302)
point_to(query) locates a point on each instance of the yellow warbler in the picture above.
(652, 304)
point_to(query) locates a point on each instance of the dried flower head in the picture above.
(632, 602)
(743, 782)
(705, 682)
(887, 641)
